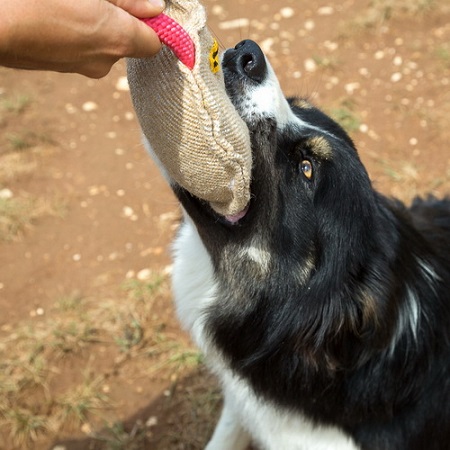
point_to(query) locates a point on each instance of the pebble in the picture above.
(398, 61)
(233, 24)
(351, 87)
(364, 72)
(6, 194)
(363, 128)
(217, 10)
(122, 84)
(267, 44)
(310, 65)
(70, 109)
(144, 275)
(331, 46)
(127, 211)
(287, 12)
(86, 428)
(309, 25)
(151, 422)
(89, 106)
(396, 77)
(325, 11)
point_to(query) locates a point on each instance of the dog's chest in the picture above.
(195, 290)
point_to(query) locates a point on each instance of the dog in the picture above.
(323, 307)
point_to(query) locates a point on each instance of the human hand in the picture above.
(86, 36)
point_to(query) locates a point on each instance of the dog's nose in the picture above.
(249, 60)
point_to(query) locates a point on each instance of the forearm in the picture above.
(86, 36)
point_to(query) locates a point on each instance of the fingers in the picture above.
(145, 41)
(136, 39)
(141, 8)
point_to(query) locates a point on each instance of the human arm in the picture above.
(83, 36)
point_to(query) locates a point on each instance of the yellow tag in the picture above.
(214, 57)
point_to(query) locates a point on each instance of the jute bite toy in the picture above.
(185, 114)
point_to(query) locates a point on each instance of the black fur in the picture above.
(351, 323)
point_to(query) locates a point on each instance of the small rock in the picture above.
(310, 65)
(325, 11)
(122, 84)
(128, 211)
(70, 109)
(6, 194)
(267, 44)
(233, 24)
(396, 77)
(151, 422)
(398, 61)
(89, 106)
(351, 87)
(309, 25)
(86, 428)
(144, 275)
(287, 12)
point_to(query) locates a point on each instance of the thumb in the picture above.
(140, 8)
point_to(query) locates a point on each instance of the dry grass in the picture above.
(40, 393)
(380, 12)
(33, 357)
(21, 153)
(18, 213)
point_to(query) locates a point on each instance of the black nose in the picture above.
(247, 59)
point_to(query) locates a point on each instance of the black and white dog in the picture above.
(323, 308)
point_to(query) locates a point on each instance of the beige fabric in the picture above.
(190, 122)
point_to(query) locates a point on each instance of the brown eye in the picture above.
(307, 168)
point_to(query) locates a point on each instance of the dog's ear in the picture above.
(188, 119)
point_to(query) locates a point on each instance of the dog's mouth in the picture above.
(243, 66)
(236, 218)
(245, 69)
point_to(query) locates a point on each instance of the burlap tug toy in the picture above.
(185, 114)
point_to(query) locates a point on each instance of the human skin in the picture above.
(82, 36)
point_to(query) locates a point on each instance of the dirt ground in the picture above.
(91, 355)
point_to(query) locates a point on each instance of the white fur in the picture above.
(267, 100)
(260, 256)
(408, 319)
(244, 413)
(193, 282)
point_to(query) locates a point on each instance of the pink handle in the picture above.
(172, 34)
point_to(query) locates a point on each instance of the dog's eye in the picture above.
(307, 169)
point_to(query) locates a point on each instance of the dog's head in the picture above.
(313, 217)
(308, 184)
(311, 223)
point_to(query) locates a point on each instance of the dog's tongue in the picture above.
(237, 217)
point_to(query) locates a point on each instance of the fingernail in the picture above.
(158, 3)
